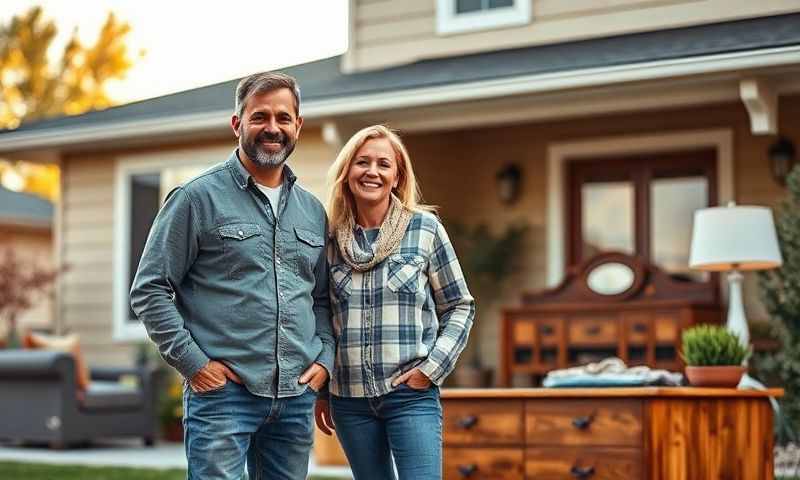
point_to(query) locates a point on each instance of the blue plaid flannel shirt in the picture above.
(411, 310)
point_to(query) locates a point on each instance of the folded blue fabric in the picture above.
(604, 380)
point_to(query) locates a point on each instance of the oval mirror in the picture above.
(610, 278)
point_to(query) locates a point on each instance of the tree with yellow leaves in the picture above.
(31, 87)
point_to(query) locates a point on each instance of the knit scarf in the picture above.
(390, 235)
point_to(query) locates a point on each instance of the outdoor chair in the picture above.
(40, 401)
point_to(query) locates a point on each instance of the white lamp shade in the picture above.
(736, 237)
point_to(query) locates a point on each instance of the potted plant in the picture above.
(171, 410)
(714, 356)
(489, 261)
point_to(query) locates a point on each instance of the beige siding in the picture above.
(456, 170)
(386, 33)
(86, 247)
(88, 238)
(310, 162)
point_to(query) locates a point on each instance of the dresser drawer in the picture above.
(637, 329)
(583, 463)
(589, 332)
(583, 422)
(484, 463)
(667, 327)
(483, 422)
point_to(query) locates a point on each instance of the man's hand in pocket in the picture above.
(212, 376)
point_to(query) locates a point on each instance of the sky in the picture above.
(192, 44)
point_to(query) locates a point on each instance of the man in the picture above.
(233, 289)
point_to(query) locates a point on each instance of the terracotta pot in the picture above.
(724, 376)
(173, 431)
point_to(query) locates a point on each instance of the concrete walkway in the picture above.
(123, 453)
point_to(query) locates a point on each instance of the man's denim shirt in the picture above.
(220, 279)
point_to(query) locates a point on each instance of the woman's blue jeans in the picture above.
(405, 424)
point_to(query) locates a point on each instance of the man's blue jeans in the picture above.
(405, 424)
(225, 426)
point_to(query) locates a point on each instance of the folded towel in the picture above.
(610, 372)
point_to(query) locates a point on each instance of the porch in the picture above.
(458, 151)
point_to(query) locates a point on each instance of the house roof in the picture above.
(24, 209)
(323, 81)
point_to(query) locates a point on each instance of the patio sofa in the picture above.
(41, 403)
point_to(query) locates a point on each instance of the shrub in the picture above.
(712, 345)
(780, 292)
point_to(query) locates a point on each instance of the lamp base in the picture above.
(737, 322)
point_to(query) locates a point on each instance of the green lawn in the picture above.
(28, 471)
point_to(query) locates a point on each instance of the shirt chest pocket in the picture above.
(403, 273)
(242, 248)
(309, 250)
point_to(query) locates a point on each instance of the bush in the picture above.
(712, 345)
(780, 292)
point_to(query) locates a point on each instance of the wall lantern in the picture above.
(508, 183)
(781, 159)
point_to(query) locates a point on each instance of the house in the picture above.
(26, 228)
(589, 97)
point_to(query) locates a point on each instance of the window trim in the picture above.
(123, 330)
(448, 22)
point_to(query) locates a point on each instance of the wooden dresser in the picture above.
(577, 322)
(648, 433)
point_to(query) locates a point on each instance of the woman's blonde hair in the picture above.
(341, 203)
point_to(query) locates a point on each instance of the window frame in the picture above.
(124, 330)
(448, 22)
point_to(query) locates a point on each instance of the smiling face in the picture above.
(269, 127)
(373, 173)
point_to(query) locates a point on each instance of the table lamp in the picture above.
(734, 239)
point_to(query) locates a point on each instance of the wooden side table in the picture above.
(650, 433)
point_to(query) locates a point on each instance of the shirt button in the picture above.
(278, 259)
(241, 233)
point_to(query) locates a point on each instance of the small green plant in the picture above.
(712, 345)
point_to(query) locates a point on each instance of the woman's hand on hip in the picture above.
(322, 414)
(414, 378)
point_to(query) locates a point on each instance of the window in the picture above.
(640, 206)
(142, 183)
(456, 16)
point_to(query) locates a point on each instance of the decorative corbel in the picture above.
(761, 102)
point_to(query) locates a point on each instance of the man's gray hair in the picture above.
(264, 82)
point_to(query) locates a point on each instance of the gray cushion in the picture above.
(111, 395)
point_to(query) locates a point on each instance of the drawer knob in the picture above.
(582, 422)
(593, 330)
(468, 422)
(467, 470)
(581, 472)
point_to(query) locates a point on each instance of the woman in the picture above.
(401, 312)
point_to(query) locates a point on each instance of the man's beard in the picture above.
(253, 149)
